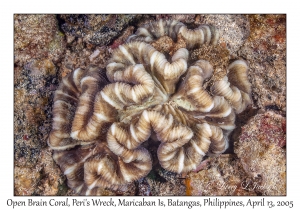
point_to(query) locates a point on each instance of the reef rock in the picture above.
(234, 29)
(222, 175)
(37, 37)
(261, 149)
(39, 46)
(265, 49)
(95, 29)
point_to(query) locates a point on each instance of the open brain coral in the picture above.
(100, 122)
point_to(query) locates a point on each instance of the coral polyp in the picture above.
(101, 122)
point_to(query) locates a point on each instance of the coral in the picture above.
(99, 126)
(179, 17)
(204, 34)
(261, 149)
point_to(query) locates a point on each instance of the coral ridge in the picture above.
(99, 126)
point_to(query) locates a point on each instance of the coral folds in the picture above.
(100, 122)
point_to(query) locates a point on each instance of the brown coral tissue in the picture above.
(101, 121)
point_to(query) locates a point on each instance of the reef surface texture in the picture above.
(147, 104)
